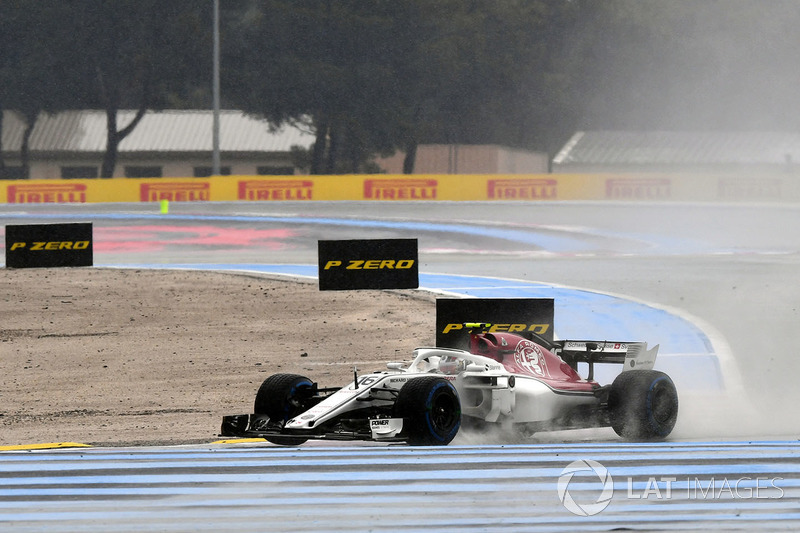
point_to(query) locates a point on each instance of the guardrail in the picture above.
(418, 187)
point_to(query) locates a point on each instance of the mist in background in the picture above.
(687, 65)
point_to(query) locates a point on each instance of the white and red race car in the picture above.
(528, 384)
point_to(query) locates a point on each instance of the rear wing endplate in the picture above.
(639, 357)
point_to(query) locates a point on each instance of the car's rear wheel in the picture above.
(431, 409)
(282, 397)
(643, 404)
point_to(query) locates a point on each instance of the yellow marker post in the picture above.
(164, 207)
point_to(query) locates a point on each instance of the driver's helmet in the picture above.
(451, 365)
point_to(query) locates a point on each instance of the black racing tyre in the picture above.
(643, 405)
(280, 397)
(431, 409)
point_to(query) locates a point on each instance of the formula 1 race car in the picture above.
(530, 384)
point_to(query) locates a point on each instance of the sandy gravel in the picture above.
(123, 357)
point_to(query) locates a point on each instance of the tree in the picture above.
(76, 54)
(314, 64)
(374, 76)
(136, 52)
(483, 72)
(34, 75)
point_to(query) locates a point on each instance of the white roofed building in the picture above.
(174, 143)
(748, 153)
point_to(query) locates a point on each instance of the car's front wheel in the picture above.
(431, 409)
(282, 397)
(643, 404)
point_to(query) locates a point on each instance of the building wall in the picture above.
(52, 169)
(469, 159)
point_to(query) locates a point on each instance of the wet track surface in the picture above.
(735, 268)
(673, 486)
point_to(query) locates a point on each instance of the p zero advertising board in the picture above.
(49, 245)
(512, 315)
(368, 264)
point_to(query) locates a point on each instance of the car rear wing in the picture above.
(632, 355)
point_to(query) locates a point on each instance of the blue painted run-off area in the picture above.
(686, 352)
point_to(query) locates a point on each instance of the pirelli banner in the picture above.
(420, 188)
(368, 264)
(522, 316)
(49, 245)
